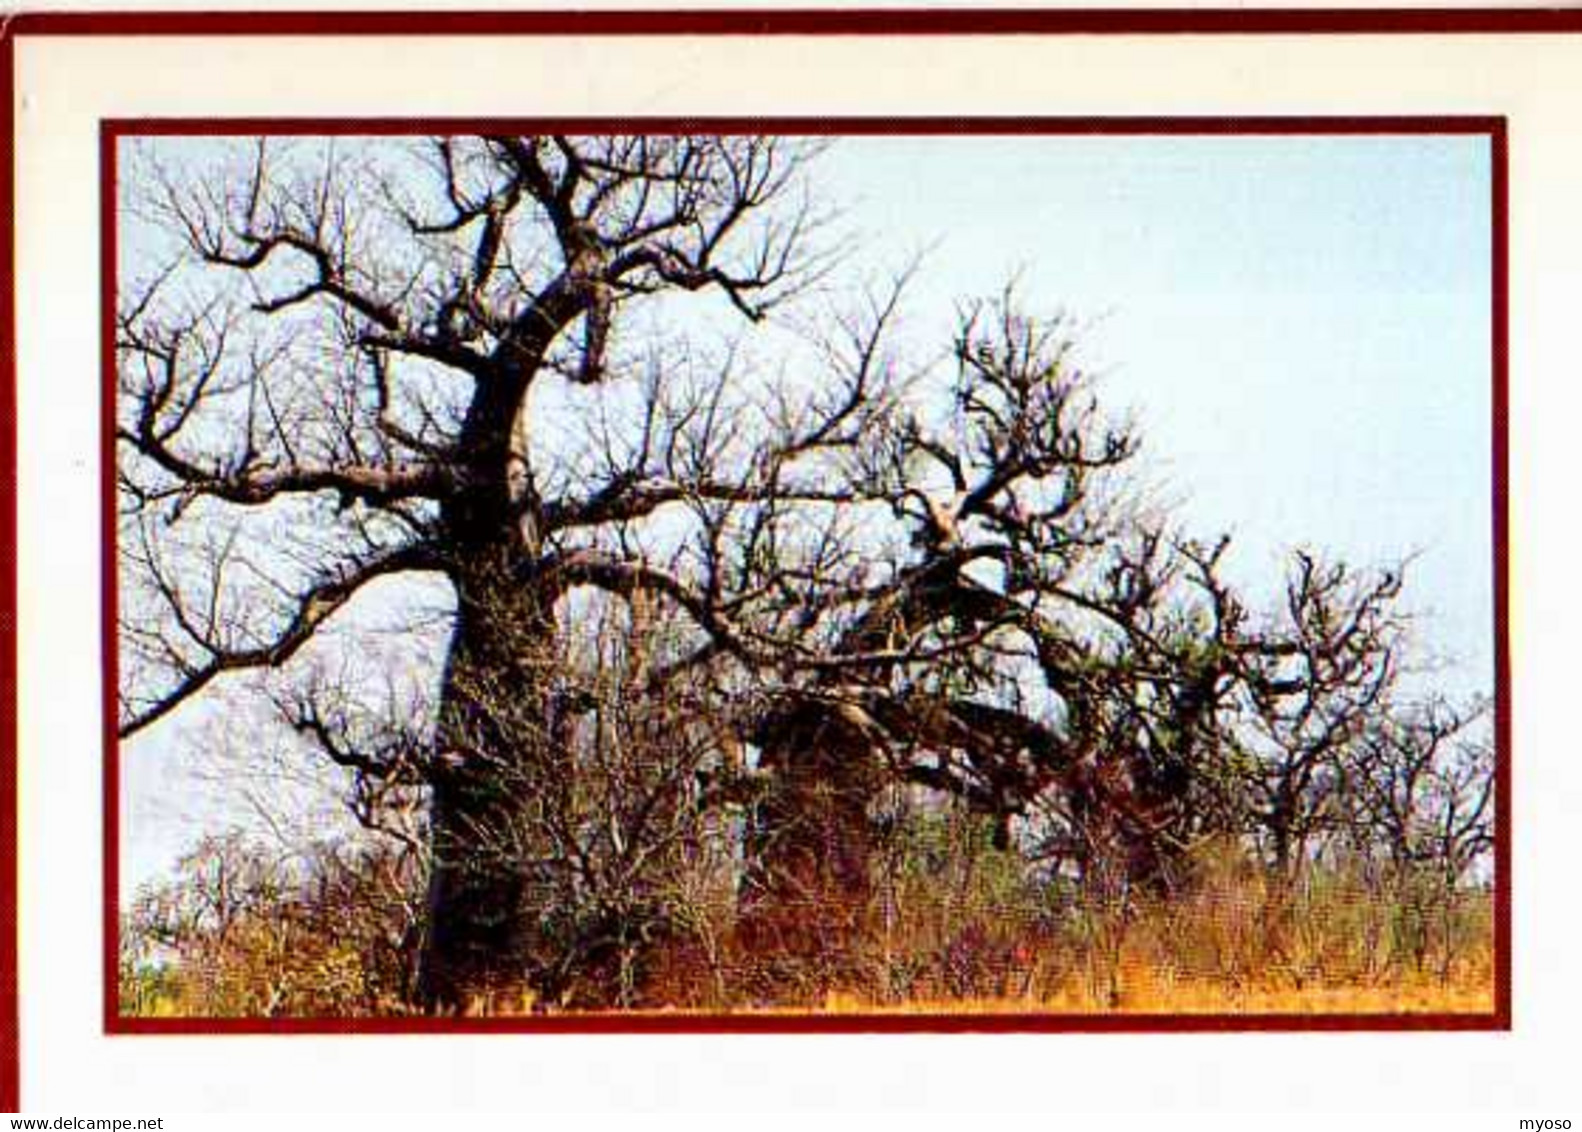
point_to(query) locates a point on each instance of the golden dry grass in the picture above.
(1428, 997)
(1141, 991)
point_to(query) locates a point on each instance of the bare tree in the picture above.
(1324, 670)
(337, 380)
(1425, 786)
(321, 929)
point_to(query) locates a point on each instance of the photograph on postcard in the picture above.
(1026, 569)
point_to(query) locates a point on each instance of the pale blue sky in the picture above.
(1300, 324)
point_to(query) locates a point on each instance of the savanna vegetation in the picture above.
(787, 662)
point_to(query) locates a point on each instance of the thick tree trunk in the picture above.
(805, 907)
(499, 782)
(807, 899)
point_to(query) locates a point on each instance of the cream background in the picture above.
(66, 85)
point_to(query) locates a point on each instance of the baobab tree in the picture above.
(339, 370)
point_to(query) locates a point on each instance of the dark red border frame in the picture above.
(1215, 22)
(822, 22)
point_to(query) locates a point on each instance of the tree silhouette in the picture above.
(348, 348)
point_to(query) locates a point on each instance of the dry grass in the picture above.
(1140, 989)
(1425, 997)
(971, 939)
